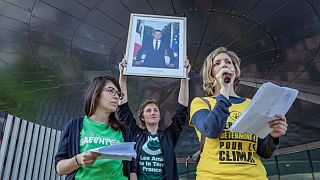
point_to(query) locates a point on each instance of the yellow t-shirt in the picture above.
(232, 155)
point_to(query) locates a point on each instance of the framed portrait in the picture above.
(156, 46)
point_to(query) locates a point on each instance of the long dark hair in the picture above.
(92, 96)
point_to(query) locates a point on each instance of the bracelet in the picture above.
(75, 157)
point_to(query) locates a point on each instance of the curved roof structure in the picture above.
(49, 49)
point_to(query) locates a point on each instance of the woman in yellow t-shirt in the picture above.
(228, 155)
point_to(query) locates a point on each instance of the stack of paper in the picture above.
(120, 151)
(269, 101)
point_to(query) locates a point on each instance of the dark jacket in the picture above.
(167, 138)
(155, 58)
(69, 145)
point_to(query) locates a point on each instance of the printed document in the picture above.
(268, 101)
(120, 151)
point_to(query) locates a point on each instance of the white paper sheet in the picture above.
(268, 101)
(120, 151)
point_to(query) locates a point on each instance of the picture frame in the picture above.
(156, 46)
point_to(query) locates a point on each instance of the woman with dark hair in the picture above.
(99, 127)
(225, 154)
(155, 148)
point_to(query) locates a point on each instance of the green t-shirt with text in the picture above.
(94, 135)
(151, 164)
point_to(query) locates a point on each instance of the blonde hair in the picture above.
(209, 81)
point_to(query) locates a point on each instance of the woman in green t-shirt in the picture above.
(98, 128)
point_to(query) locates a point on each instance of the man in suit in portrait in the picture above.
(155, 53)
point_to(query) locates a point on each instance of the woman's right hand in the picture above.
(220, 76)
(122, 65)
(123, 80)
(87, 158)
(225, 88)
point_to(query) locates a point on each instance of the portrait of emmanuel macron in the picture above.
(156, 44)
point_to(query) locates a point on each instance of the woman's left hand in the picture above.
(122, 65)
(279, 126)
(187, 65)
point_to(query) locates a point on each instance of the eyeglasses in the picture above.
(112, 91)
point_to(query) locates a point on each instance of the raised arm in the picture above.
(180, 117)
(123, 111)
(184, 87)
(123, 81)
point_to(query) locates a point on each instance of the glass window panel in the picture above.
(295, 166)
(183, 175)
(271, 168)
(315, 159)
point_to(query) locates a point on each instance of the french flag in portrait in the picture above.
(138, 37)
